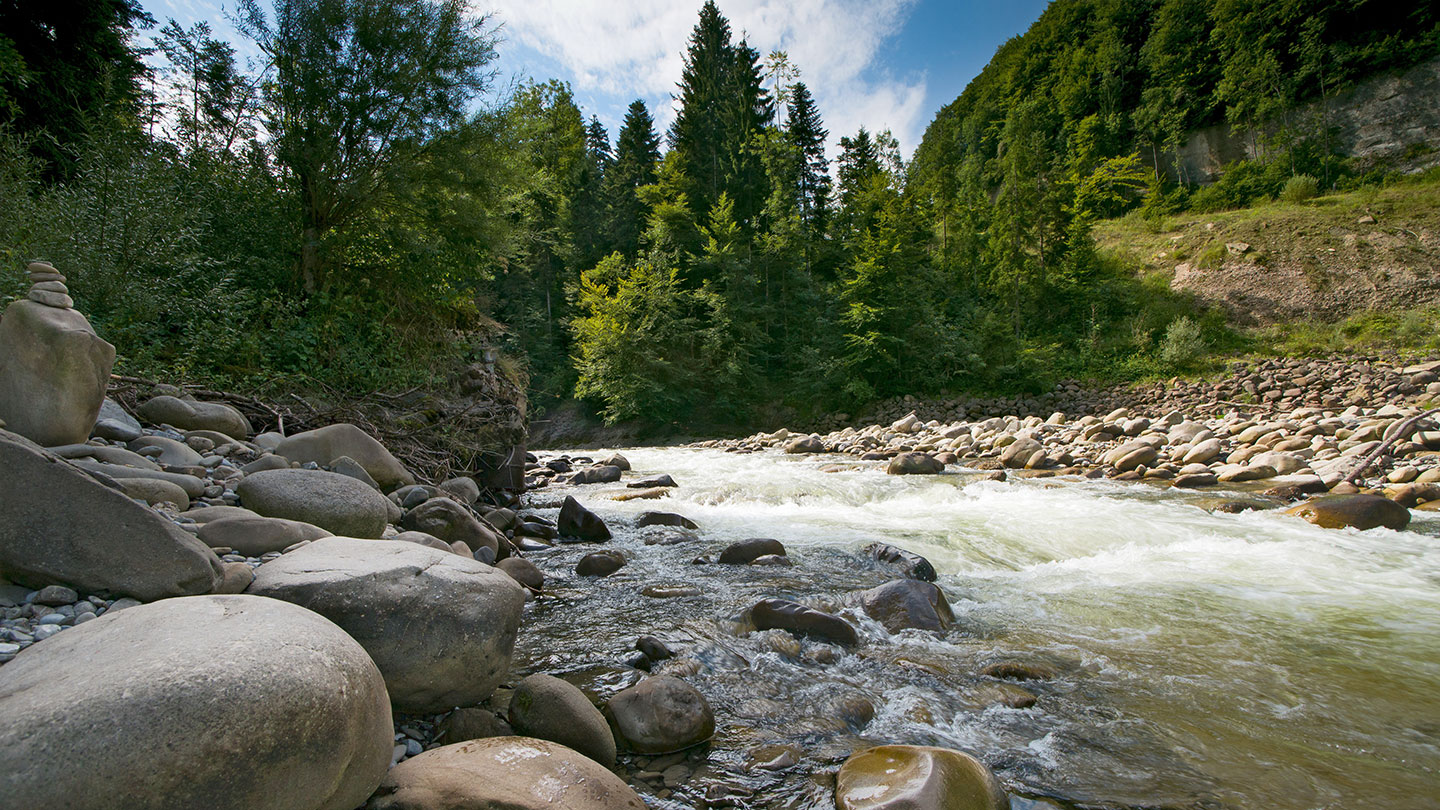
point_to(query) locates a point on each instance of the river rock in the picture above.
(1359, 511)
(664, 519)
(223, 702)
(910, 563)
(659, 715)
(747, 551)
(53, 373)
(805, 444)
(514, 773)
(472, 724)
(549, 708)
(324, 445)
(463, 489)
(153, 491)
(578, 524)
(902, 604)
(523, 571)
(451, 522)
(782, 614)
(914, 777)
(600, 564)
(188, 414)
(334, 502)
(255, 536)
(440, 627)
(60, 525)
(914, 464)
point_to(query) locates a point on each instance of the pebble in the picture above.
(8, 651)
(45, 631)
(56, 595)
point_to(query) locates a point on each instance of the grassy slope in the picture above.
(1315, 279)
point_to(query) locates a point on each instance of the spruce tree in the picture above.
(804, 129)
(588, 215)
(637, 152)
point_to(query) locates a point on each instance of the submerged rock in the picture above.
(600, 564)
(912, 564)
(902, 604)
(914, 777)
(782, 614)
(1357, 511)
(747, 551)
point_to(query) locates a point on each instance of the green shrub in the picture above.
(1300, 188)
(1183, 344)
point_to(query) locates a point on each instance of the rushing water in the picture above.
(1205, 660)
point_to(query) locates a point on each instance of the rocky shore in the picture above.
(194, 612)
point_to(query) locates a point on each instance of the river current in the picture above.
(1202, 659)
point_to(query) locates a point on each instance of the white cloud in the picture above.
(636, 48)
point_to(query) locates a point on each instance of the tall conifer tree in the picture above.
(637, 151)
(805, 130)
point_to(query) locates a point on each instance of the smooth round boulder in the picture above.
(914, 464)
(902, 604)
(513, 773)
(324, 445)
(206, 701)
(154, 491)
(187, 414)
(600, 564)
(1357, 511)
(334, 502)
(255, 536)
(659, 715)
(523, 571)
(805, 444)
(917, 777)
(472, 723)
(793, 617)
(440, 627)
(747, 551)
(549, 708)
(53, 373)
(451, 522)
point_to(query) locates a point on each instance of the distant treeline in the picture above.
(342, 216)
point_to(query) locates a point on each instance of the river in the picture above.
(1203, 659)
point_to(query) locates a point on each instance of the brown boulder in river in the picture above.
(916, 777)
(782, 614)
(1360, 511)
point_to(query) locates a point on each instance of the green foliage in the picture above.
(1183, 344)
(1300, 188)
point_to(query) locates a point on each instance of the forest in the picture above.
(370, 207)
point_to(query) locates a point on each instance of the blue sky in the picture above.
(877, 63)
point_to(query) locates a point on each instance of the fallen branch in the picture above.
(1401, 433)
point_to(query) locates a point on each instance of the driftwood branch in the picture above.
(1401, 433)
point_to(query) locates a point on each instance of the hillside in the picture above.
(1275, 263)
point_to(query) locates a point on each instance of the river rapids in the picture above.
(1202, 659)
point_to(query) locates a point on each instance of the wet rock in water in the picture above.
(1357, 511)
(747, 551)
(782, 614)
(669, 591)
(664, 519)
(600, 564)
(515, 773)
(578, 524)
(805, 444)
(912, 564)
(1015, 670)
(1232, 507)
(53, 373)
(523, 571)
(1192, 480)
(604, 474)
(187, 414)
(472, 724)
(658, 482)
(1005, 694)
(654, 493)
(616, 460)
(653, 648)
(548, 708)
(255, 536)
(452, 523)
(914, 464)
(669, 537)
(323, 445)
(60, 525)
(779, 560)
(902, 604)
(440, 627)
(659, 715)
(334, 502)
(913, 777)
(227, 702)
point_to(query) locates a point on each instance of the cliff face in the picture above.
(1391, 120)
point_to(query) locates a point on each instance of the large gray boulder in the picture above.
(908, 603)
(324, 445)
(188, 414)
(334, 502)
(53, 373)
(255, 536)
(549, 708)
(61, 526)
(661, 714)
(451, 522)
(509, 773)
(221, 702)
(917, 777)
(441, 627)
